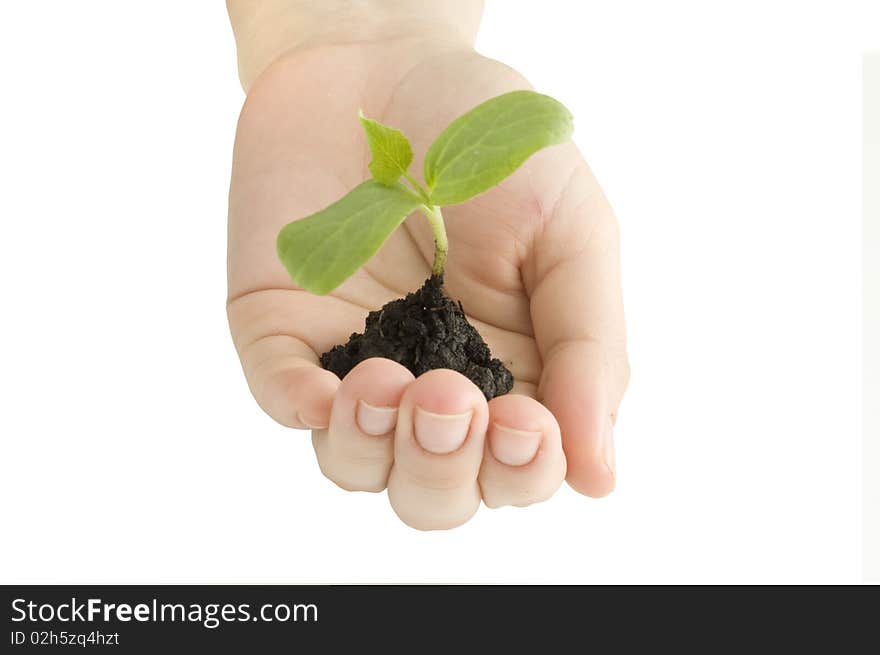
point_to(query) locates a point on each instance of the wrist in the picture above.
(267, 29)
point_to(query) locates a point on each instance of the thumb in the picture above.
(577, 316)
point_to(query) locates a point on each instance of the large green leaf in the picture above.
(391, 152)
(492, 140)
(322, 250)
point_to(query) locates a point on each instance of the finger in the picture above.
(575, 387)
(577, 314)
(523, 462)
(282, 370)
(357, 450)
(438, 447)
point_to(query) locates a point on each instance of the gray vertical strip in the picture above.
(871, 316)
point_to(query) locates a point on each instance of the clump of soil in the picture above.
(424, 331)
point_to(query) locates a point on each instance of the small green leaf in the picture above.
(492, 140)
(392, 153)
(321, 251)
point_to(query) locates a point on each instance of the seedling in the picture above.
(474, 153)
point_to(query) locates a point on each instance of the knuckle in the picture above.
(426, 508)
(347, 470)
(434, 481)
(539, 481)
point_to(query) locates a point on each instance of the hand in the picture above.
(534, 262)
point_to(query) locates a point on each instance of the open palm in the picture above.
(534, 262)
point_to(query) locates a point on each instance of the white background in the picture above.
(727, 136)
(871, 316)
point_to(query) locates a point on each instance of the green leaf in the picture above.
(492, 140)
(392, 153)
(321, 251)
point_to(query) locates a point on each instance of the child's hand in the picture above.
(534, 262)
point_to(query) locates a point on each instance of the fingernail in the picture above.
(513, 447)
(608, 450)
(375, 420)
(441, 433)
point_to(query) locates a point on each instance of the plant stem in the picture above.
(435, 218)
(441, 243)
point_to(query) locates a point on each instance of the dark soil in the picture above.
(424, 331)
